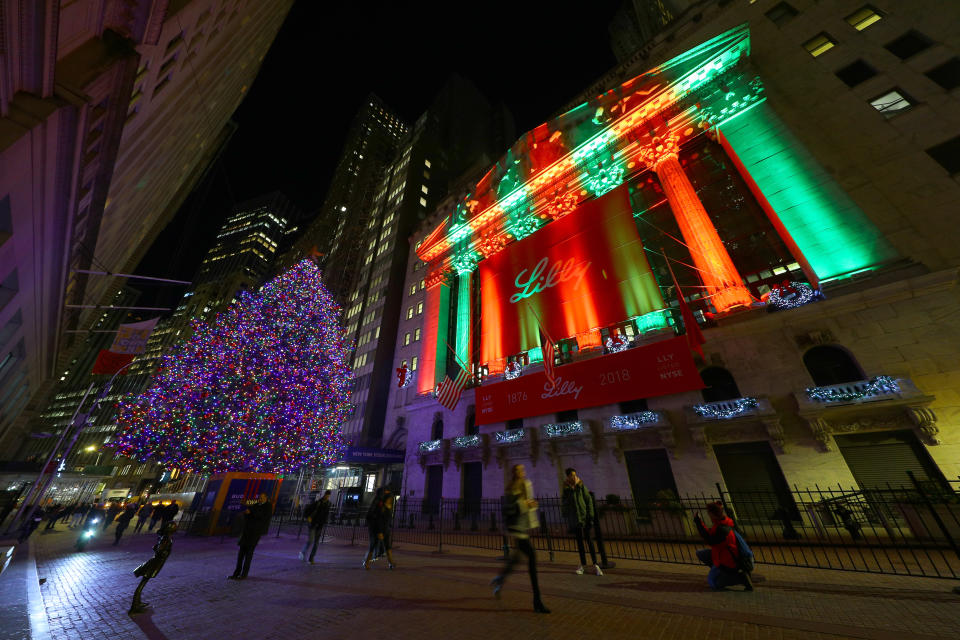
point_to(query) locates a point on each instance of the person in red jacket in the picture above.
(722, 555)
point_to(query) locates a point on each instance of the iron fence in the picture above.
(895, 530)
(903, 530)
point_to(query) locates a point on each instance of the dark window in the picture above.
(909, 44)
(633, 406)
(471, 422)
(516, 423)
(947, 154)
(6, 220)
(947, 75)
(892, 102)
(9, 288)
(567, 416)
(781, 13)
(855, 73)
(754, 481)
(436, 431)
(720, 385)
(831, 365)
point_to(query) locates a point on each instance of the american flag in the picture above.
(548, 354)
(448, 392)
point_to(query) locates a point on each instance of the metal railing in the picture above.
(893, 530)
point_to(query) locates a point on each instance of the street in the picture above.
(86, 595)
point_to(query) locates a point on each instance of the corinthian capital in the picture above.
(438, 276)
(659, 149)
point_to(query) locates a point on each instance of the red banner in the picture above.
(658, 369)
(582, 272)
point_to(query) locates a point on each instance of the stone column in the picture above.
(724, 284)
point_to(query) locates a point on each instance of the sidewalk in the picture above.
(86, 595)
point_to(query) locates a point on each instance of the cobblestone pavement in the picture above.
(87, 594)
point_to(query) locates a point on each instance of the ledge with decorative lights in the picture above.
(429, 446)
(509, 436)
(563, 429)
(467, 442)
(864, 390)
(726, 410)
(637, 420)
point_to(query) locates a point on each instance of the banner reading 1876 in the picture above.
(658, 369)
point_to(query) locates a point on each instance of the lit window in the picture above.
(413, 363)
(423, 202)
(781, 13)
(424, 189)
(863, 18)
(416, 333)
(419, 308)
(406, 339)
(426, 163)
(891, 103)
(423, 284)
(413, 289)
(819, 44)
(409, 312)
(947, 155)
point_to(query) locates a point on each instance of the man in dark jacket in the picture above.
(143, 515)
(169, 513)
(722, 555)
(110, 513)
(123, 521)
(256, 521)
(318, 515)
(578, 509)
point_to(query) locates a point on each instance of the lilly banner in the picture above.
(659, 369)
(581, 272)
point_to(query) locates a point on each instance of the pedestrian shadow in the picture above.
(660, 586)
(146, 624)
(366, 600)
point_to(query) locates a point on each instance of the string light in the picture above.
(429, 445)
(561, 429)
(714, 412)
(466, 442)
(265, 387)
(875, 386)
(616, 346)
(791, 295)
(513, 370)
(508, 436)
(634, 420)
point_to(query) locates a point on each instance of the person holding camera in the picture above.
(723, 555)
(256, 521)
(578, 508)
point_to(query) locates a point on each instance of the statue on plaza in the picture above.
(151, 567)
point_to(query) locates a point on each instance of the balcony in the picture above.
(638, 420)
(467, 442)
(878, 404)
(563, 429)
(639, 430)
(745, 407)
(429, 446)
(735, 420)
(509, 436)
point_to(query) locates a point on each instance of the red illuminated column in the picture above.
(723, 282)
(435, 326)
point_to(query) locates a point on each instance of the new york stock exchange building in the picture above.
(830, 339)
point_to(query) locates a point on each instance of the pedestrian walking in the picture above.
(79, 514)
(66, 512)
(53, 514)
(110, 512)
(723, 555)
(256, 521)
(380, 525)
(170, 512)
(123, 521)
(150, 568)
(318, 514)
(158, 508)
(520, 515)
(30, 525)
(142, 516)
(578, 509)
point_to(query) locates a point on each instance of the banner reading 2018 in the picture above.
(582, 272)
(658, 369)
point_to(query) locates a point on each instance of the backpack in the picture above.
(745, 560)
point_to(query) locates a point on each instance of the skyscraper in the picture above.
(372, 142)
(459, 131)
(128, 101)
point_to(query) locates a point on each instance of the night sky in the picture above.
(329, 56)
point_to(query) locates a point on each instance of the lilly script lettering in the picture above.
(561, 388)
(560, 271)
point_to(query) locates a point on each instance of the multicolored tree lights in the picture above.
(265, 387)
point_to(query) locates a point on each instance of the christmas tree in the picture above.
(264, 387)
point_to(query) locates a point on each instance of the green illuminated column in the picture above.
(819, 218)
(464, 320)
